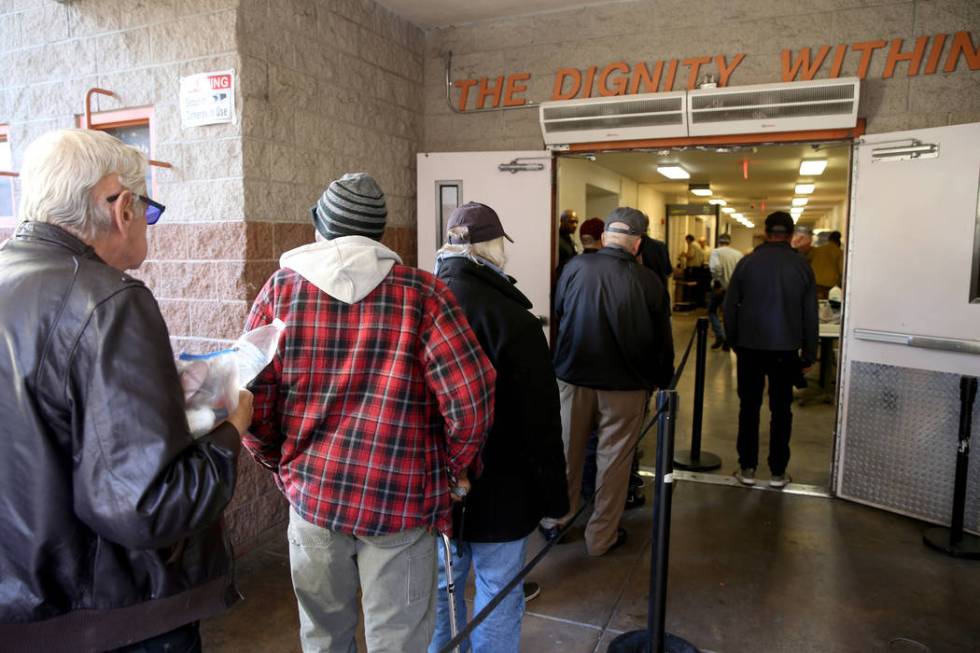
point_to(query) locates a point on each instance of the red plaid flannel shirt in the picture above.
(366, 405)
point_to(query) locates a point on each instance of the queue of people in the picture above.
(399, 405)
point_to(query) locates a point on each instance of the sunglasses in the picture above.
(153, 209)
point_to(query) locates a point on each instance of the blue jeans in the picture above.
(494, 564)
(714, 304)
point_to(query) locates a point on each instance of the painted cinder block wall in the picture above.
(660, 30)
(324, 87)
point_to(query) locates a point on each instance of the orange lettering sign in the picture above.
(560, 77)
(620, 78)
(514, 87)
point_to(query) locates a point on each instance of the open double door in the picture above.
(911, 248)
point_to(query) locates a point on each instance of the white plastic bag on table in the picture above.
(211, 381)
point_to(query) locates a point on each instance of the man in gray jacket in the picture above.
(771, 320)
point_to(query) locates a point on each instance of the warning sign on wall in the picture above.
(207, 98)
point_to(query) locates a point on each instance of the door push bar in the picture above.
(956, 345)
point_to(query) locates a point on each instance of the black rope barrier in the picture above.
(481, 616)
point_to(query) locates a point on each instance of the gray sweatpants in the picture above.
(397, 576)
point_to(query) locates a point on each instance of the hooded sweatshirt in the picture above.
(345, 268)
(379, 392)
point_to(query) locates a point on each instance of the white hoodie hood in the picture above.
(346, 268)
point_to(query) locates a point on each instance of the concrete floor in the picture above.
(750, 570)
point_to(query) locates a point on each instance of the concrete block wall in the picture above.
(51, 53)
(205, 263)
(330, 87)
(654, 30)
(324, 87)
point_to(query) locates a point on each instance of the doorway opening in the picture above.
(729, 189)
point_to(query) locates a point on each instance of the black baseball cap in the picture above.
(779, 222)
(481, 222)
(626, 220)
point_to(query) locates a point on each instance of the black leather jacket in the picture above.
(109, 510)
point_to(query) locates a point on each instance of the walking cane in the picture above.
(450, 587)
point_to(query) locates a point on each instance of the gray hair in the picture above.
(626, 241)
(490, 250)
(60, 170)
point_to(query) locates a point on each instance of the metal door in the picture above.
(517, 185)
(911, 327)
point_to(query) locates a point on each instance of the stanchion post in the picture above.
(655, 639)
(953, 541)
(695, 459)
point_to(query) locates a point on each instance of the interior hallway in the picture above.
(811, 445)
(749, 571)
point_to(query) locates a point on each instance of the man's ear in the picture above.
(636, 246)
(121, 212)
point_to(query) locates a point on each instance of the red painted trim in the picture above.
(120, 118)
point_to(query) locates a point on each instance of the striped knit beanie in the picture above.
(351, 206)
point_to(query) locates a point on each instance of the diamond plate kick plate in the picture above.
(901, 439)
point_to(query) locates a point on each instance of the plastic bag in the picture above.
(211, 381)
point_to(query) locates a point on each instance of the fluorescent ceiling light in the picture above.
(701, 190)
(718, 201)
(812, 167)
(804, 189)
(728, 209)
(673, 172)
(796, 217)
(796, 210)
(800, 201)
(749, 224)
(737, 216)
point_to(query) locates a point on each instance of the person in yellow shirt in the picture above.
(828, 265)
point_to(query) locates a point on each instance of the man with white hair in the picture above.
(523, 476)
(614, 347)
(110, 508)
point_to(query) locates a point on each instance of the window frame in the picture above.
(9, 221)
(131, 117)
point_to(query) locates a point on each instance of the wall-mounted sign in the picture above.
(925, 56)
(207, 98)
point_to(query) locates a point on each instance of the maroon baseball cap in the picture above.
(592, 227)
(481, 222)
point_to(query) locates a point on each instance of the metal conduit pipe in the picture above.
(87, 124)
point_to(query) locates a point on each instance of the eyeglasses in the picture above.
(153, 209)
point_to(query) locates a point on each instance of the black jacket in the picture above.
(614, 324)
(566, 249)
(110, 509)
(653, 254)
(771, 302)
(523, 477)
